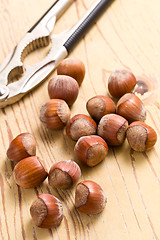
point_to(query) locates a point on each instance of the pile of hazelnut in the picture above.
(108, 124)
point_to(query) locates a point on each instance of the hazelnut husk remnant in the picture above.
(72, 67)
(131, 107)
(54, 114)
(112, 128)
(141, 86)
(46, 211)
(141, 137)
(63, 87)
(64, 174)
(29, 172)
(91, 150)
(120, 82)
(23, 146)
(100, 105)
(80, 125)
(89, 197)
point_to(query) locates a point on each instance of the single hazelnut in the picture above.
(46, 211)
(22, 146)
(63, 87)
(120, 82)
(141, 137)
(29, 172)
(112, 128)
(91, 150)
(64, 174)
(131, 107)
(89, 197)
(99, 106)
(72, 67)
(54, 114)
(80, 125)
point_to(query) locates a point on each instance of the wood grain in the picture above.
(127, 35)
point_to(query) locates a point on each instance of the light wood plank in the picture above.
(127, 35)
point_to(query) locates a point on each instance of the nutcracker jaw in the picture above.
(40, 36)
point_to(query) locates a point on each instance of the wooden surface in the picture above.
(127, 35)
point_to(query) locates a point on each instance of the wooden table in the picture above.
(126, 36)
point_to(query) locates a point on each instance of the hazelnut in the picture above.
(63, 87)
(112, 128)
(120, 82)
(141, 137)
(99, 106)
(46, 211)
(64, 174)
(80, 125)
(131, 107)
(72, 67)
(29, 172)
(89, 197)
(91, 150)
(22, 146)
(54, 114)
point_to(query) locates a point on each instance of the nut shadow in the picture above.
(126, 155)
(39, 233)
(87, 222)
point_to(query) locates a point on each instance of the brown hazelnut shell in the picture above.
(63, 87)
(54, 114)
(22, 146)
(89, 197)
(120, 82)
(131, 107)
(64, 174)
(112, 128)
(100, 105)
(46, 211)
(29, 172)
(80, 125)
(141, 137)
(72, 67)
(91, 150)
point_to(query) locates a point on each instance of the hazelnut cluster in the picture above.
(140, 136)
(29, 170)
(63, 91)
(108, 124)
